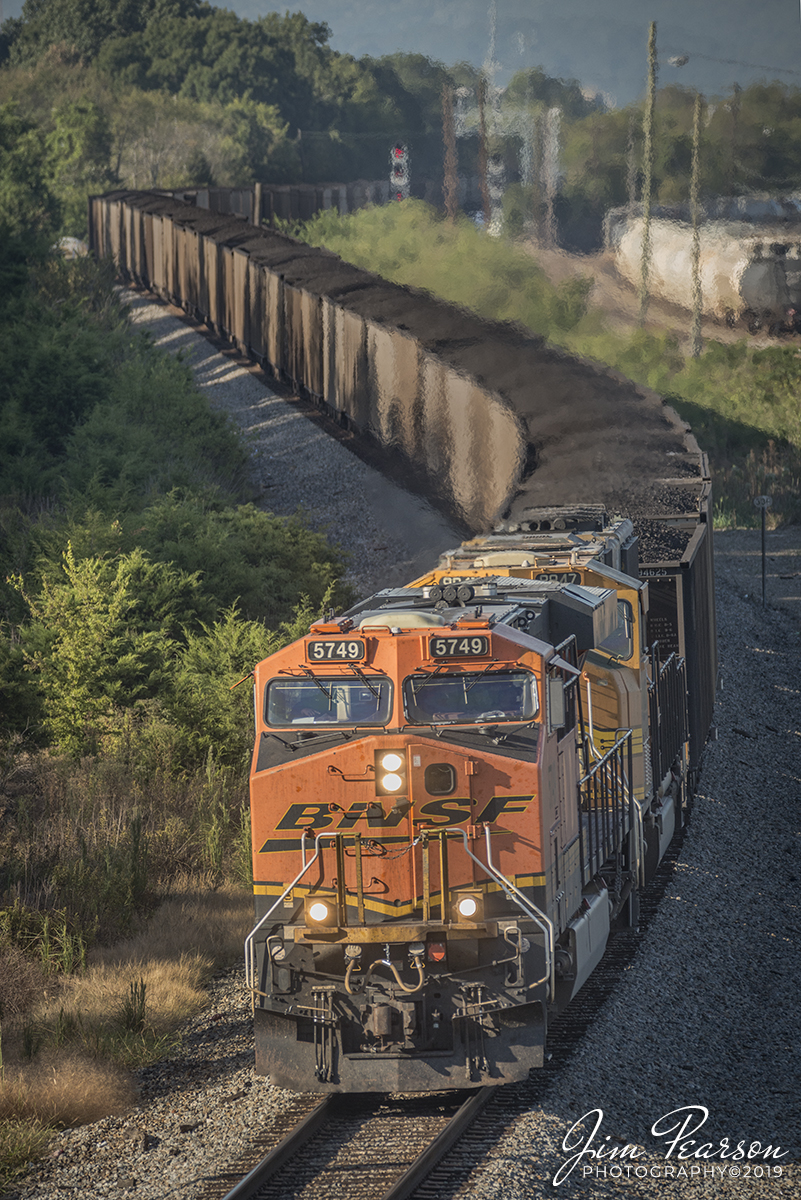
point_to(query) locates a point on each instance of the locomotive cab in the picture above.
(437, 859)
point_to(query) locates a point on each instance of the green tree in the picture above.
(263, 564)
(79, 151)
(28, 209)
(99, 641)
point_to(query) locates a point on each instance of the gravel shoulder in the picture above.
(708, 1015)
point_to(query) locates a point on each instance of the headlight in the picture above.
(467, 907)
(391, 775)
(322, 913)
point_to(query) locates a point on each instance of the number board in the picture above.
(336, 650)
(471, 646)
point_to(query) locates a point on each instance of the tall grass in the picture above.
(410, 244)
(69, 1042)
(87, 845)
(741, 402)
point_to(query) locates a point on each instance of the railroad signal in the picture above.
(399, 177)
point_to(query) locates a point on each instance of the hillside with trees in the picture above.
(138, 583)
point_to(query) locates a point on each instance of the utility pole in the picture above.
(482, 151)
(695, 214)
(631, 169)
(550, 170)
(451, 177)
(648, 163)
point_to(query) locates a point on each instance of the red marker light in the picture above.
(436, 951)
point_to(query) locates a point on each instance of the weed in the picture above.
(133, 1007)
(20, 1142)
(54, 938)
(32, 1040)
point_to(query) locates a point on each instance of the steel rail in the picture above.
(402, 1189)
(425, 1163)
(280, 1154)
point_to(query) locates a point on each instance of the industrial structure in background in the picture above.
(749, 258)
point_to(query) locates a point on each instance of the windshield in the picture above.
(470, 698)
(620, 644)
(331, 701)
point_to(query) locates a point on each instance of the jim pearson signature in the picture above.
(680, 1125)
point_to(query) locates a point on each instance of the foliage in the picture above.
(21, 1142)
(65, 314)
(261, 563)
(205, 702)
(154, 431)
(79, 149)
(410, 243)
(28, 209)
(223, 79)
(100, 640)
(54, 939)
(741, 401)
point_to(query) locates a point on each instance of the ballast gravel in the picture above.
(704, 1028)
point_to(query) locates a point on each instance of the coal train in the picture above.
(459, 787)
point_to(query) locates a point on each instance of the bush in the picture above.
(411, 243)
(261, 563)
(100, 640)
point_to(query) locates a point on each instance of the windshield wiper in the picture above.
(365, 680)
(481, 675)
(289, 745)
(518, 729)
(428, 676)
(324, 690)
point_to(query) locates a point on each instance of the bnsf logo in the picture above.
(436, 814)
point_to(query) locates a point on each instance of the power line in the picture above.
(733, 62)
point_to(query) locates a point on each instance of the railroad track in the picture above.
(356, 1147)
(364, 1147)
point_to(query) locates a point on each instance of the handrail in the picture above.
(250, 957)
(528, 908)
(605, 780)
(523, 903)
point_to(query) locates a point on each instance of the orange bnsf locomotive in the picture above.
(457, 789)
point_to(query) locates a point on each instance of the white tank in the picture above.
(745, 270)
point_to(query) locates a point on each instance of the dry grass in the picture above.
(66, 1058)
(20, 1143)
(87, 849)
(20, 982)
(210, 923)
(62, 1089)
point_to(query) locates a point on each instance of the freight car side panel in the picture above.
(681, 618)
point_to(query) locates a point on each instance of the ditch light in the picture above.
(320, 913)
